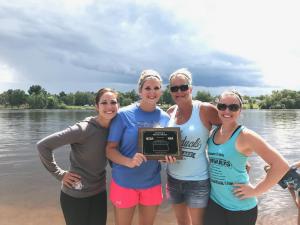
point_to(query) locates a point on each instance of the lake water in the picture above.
(29, 195)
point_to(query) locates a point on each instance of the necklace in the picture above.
(181, 115)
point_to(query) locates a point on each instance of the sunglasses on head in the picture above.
(231, 107)
(183, 87)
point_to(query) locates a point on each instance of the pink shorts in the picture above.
(122, 197)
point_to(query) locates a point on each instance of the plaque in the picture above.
(155, 143)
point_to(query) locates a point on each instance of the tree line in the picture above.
(38, 98)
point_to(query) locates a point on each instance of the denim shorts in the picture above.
(193, 193)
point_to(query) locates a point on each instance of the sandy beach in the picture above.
(51, 214)
(38, 203)
(32, 198)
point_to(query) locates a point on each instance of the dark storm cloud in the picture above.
(221, 69)
(112, 43)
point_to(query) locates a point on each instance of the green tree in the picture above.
(128, 98)
(16, 97)
(37, 101)
(52, 102)
(68, 99)
(36, 89)
(166, 98)
(133, 95)
(288, 102)
(204, 96)
(284, 99)
(84, 98)
(124, 101)
(3, 99)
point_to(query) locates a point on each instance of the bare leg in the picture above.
(197, 215)
(182, 214)
(123, 216)
(188, 216)
(298, 215)
(147, 214)
(298, 205)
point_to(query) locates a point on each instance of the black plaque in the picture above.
(156, 143)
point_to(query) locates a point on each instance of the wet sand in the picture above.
(33, 199)
(51, 214)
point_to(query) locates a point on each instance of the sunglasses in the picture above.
(183, 87)
(231, 107)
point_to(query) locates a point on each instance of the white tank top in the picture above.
(194, 135)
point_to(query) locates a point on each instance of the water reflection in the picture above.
(281, 129)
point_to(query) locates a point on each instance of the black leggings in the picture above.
(84, 211)
(217, 215)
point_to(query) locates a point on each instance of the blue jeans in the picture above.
(194, 194)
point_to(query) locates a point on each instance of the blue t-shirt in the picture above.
(228, 166)
(124, 130)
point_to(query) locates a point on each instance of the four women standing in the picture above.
(136, 181)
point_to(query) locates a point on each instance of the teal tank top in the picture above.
(194, 135)
(228, 166)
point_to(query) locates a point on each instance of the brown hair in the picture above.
(102, 91)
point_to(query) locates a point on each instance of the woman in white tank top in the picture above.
(188, 184)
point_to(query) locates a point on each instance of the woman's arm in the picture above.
(171, 109)
(209, 115)
(47, 145)
(251, 142)
(114, 155)
(296, 164)
(293, 194)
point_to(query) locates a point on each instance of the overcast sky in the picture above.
(71, 45)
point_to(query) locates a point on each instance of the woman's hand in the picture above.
(137, 160)
(70, 179)
(243, 191)
(168, 159)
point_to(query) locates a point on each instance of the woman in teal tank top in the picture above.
(232, 198)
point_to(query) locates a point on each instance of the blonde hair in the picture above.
(234, 93)
(183, 71)
(147, 75)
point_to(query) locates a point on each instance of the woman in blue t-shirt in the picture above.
(232, 198)
(136, 181)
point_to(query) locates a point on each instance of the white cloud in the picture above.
(224, 43)
(7, 74)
